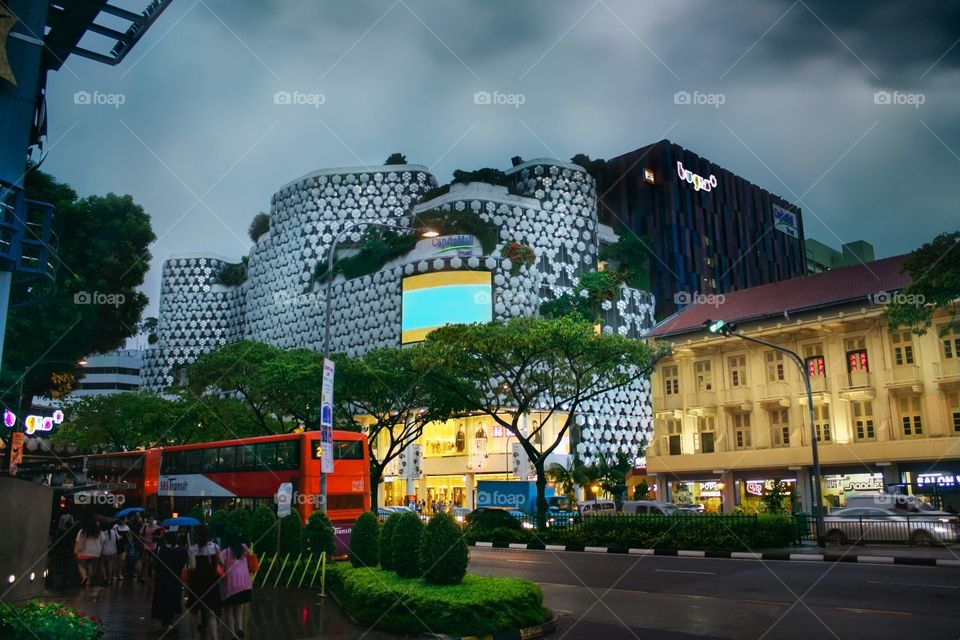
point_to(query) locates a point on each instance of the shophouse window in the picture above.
(671, 380)
(816, 363)
(910, 416)
(856, 354)
(953, 403)
(821, 420)
(950, 341)
(775, 372)
(674, 437)
(741, 430)
(780, 424)
(738, 371)
(902, 346)
(863, 420)
(705, 441)
(703, 375)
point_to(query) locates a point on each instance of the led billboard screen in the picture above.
(433, 300)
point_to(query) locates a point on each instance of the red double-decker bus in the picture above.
(131, 474)
(249, 471)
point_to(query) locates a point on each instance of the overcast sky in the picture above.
(200, 142)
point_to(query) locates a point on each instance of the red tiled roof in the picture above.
(792, 296)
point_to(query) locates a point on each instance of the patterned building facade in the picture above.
(280, 304)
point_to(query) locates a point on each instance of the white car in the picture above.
(872, 524)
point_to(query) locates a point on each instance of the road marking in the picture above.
(771, 603)
(876, 612)
(525, 561)
(916, 584)
(704, 573)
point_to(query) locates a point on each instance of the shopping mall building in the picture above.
(280, 303)
(731, 417)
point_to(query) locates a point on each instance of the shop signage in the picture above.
(785, 221)
(865, 485)
(326, 417)
(938, 479)
(758, 487)
(709, 490)
(33, 423)
(699, 182)
(459, 245)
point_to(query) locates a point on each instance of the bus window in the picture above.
(247, 458)
(348, 450)
(209, 460)
(267, 455)
(288, 455)
(191, 461)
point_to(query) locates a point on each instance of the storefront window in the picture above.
(838, 488)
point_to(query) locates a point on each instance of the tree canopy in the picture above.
(935, 272)
(93, 305)
(551, 366)
(259, 226)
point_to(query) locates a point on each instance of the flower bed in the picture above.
(477, 606)
(46, 621)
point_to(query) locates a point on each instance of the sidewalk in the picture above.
(274, 614)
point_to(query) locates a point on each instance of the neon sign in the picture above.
(33, 423)
(699, 182)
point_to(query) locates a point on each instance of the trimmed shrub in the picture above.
(259, 226)
(318, 535)
(365, 541)
(239, 520)
(47, 621)
(263, 530)
(406, 545)
(386, 541)
(443, 551)
(291, 534)
(219, 521)
(396, 158)
(197, 512)
(478, 606)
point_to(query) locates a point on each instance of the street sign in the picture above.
(326, 417)
(284, 499)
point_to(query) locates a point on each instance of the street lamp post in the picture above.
(720, 327)
(331, 255)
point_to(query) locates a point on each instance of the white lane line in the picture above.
(525, 561)
(915, 584)
(703, 573)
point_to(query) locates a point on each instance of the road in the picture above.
(655, 597)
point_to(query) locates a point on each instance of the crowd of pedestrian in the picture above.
(208, 582)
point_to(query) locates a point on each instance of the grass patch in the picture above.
(479, 605)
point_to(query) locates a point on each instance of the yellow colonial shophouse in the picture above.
(731, 416)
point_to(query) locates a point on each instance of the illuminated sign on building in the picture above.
(33, 423)
(699, 182)
(785, 221)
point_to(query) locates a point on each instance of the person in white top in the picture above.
(87, 550)
(108, 553)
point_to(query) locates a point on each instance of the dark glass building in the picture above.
(711, 231)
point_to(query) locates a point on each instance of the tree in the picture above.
(149, 327)
(552, 366)
(396, 158)
(92, 306)
(259, 226)
(935, 272)
(263, 529)
(395, 399)
(141, 420)
(632, 255)
(596, 168)
(280, 388)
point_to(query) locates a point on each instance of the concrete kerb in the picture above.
(733, 555)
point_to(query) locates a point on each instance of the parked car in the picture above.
(495, 517)
(650, 507)
(460, 514)
(873, 524)
(595, 507)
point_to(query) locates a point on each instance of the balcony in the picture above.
(819, 388)
(905, 379)
(670, 402)
(738, 398)
(701, 399)
(947, 373)
(856, 385)
(776, 394)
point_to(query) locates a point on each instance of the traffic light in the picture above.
(719, 327)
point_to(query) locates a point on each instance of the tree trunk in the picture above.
(375, 478)
(541, 495)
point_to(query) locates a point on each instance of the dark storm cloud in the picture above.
(202, 145)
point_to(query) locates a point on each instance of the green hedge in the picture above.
(318, 535)
(262, 529)
(477, 606)
(291, 534)
(386, 540)
(406, 545)
(708, 532)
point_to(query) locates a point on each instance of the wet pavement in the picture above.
(275, 614)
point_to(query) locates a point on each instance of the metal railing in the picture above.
(908, 529)
(282, 569)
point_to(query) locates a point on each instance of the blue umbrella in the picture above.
(127, 511)
(182, 521)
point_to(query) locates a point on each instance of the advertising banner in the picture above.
(326, 417)
(785, 221)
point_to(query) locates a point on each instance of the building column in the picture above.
(804, 489)
(469, 489)
(891, 475)
(663, 488)
(727, 499)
